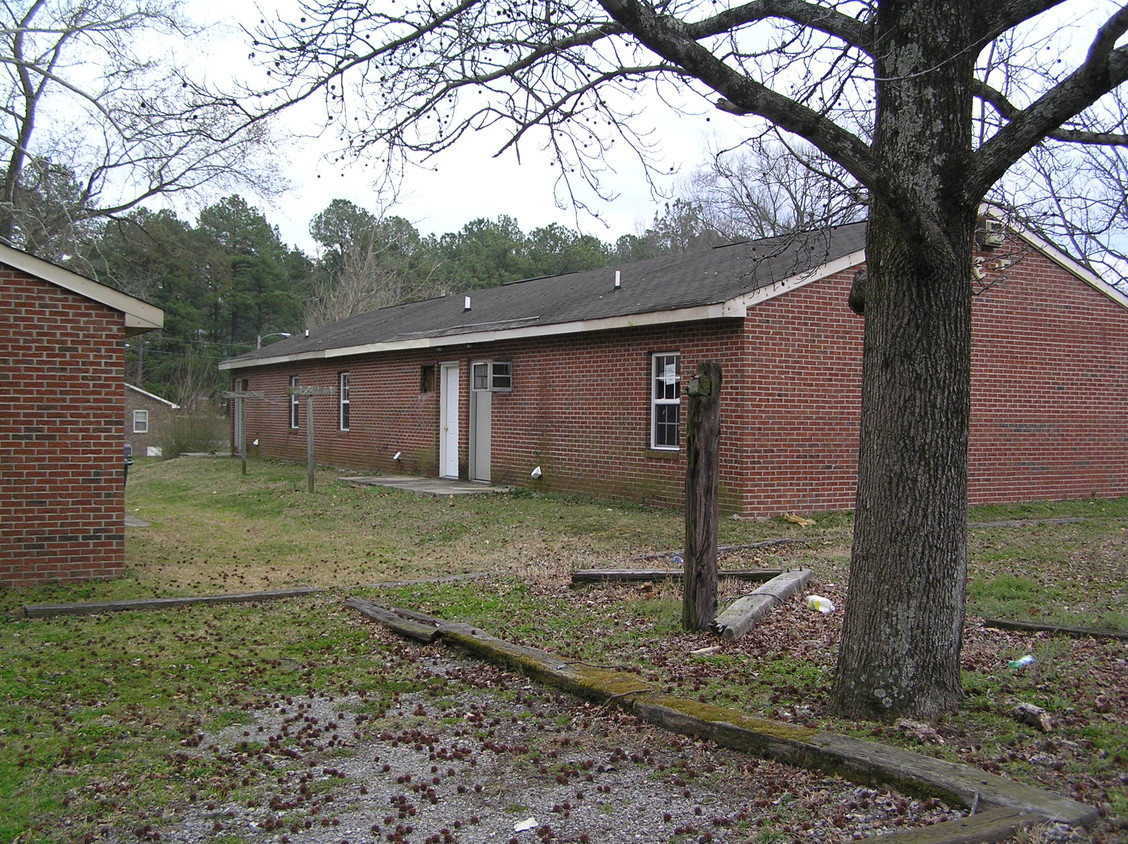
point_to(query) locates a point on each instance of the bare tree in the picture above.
(767, 187)
(886, 89)
(87, 89)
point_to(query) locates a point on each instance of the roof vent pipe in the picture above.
(465, 303)
(618, 280)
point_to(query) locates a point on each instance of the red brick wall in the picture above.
(61, 409)
(1050, 392)
(1049, 414)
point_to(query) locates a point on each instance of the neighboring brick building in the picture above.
(579, 376)
(147, 421)
(62, 497)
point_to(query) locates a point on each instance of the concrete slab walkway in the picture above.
(427, 486)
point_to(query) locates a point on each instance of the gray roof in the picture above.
(660, 285)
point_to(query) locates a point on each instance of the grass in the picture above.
(100, 716)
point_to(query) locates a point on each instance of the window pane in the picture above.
(666, 425)
(481, 379)
(140, 421)
(502, 375)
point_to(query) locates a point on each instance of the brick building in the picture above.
(62, 496)
(580, 376)
(147, 421)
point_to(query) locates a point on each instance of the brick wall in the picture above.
(61, 410)
(1049, 419)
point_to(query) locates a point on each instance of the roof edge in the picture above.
(147, 394)
(139, 316)
(701, 312)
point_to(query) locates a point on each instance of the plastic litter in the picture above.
(525, 825)
(1021, 662)
(818, 602)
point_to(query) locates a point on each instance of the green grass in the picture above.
(98, 714)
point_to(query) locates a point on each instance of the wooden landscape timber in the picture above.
(743, 614)
(1018, 805)
(92, 607)
(651, 575)
(1057, 629)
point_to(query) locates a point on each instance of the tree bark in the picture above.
(903, 624)
(702, 432)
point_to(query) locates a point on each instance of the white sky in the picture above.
(463, 184)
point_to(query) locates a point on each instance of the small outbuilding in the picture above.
(148, 418)
(62, 404)
(575, 383)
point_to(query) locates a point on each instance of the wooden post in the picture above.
(309, 393)
(240, 399)
(309, 441)
(702, 433)
(241, 426)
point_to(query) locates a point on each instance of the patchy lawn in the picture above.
(130, 726)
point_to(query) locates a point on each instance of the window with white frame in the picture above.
(665, 400)
(343, 393)
(140, 421)
(492, 376)
(295, 404)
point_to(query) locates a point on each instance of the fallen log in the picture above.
(1040, 627)
(745, 612)
(648, 575)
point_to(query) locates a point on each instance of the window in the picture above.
(343, 392)
(501, 376)
(427, 378)
(140, 421)
(665, 400)
(295, 405)
(493, 376)
(480, 377)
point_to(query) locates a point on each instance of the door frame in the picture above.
(450, 380)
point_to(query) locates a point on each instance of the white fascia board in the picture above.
(139, 316)
(702, 312)
(1071, 265)
(741, 305)
(171, 405)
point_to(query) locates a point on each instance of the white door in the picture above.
(448, 421)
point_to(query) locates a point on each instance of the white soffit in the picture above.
(139, 316)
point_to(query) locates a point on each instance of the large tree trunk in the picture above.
(905, 605)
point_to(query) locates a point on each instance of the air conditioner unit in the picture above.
(992, 235)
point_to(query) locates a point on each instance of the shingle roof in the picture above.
(665, 284)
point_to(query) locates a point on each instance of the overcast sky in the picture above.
(464, 183)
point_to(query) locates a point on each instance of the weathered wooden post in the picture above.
(702, 433)
(240, 399)
(309, 393)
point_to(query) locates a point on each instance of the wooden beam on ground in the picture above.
(648, 575)
(743, 614)
(992, 825)
(1060, 630)
(853, 758)
(90, 608)
(416, 630)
